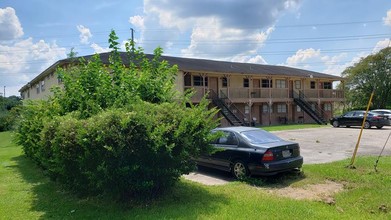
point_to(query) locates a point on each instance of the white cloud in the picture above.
(249, 59)
(137, 21)
(302, 56)
(382, 44)
(25, 59)
(211, 29)
(10, 27)
(85, 34)
(387, 19)
(99, 49)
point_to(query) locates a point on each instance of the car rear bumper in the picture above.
(276, 166)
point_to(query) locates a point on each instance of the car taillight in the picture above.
(268, 156)
(376, 117)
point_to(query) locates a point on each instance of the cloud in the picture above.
(381, 45)
(212, 29)
(302, 56)
(387, 19)
(99, 49)
(10, 27)
(25, 59)
(137, 21)
(249, 59)
(85, 34)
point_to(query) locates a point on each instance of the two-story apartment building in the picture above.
(245, 93)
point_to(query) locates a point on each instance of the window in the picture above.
(42, 86)
(298, 108)
(313, 106)
(59, 80)
(187, 79)
(281, 83)
(265, 108)
(38, 88)
(28, 93)
(246, 109)
(281, 108)
(228, 138)
(327, 85)
(266, 83)
(199, 81)
(297, 84)
(246, 83)
(224, 81)
(327, 107)
(312, 86)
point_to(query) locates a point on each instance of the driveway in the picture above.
(320, 145)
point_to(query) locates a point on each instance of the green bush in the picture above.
(117, 130)
(125, 153)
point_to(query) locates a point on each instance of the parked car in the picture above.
(384, 112)
(246, 151)
(355, 118)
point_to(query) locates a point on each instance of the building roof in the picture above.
(203, 66)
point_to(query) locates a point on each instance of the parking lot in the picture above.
(320, 145)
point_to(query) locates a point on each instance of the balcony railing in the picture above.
(274, 93)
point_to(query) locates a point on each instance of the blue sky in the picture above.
(320, 35)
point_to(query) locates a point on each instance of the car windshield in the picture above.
(260, 137)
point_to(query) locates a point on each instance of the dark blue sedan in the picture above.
(245, 151)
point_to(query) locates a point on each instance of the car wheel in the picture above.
(379, 127)
(348, 126)
(367, 125)
(239, 169)
(335, 124)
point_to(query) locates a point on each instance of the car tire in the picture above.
(367, 125)
(239, 169)
(379, 127)
(335, 124)
(348, 126)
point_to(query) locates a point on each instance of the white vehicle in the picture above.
(385, 112)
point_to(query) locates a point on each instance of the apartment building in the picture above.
(246, 94)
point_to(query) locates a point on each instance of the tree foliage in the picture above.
(372, 73)
(9, 109)
(117, 129)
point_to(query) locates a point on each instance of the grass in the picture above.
(292, 127)
(25, 193)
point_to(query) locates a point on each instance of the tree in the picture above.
(115, 129)
(371, 74)
(8, 111)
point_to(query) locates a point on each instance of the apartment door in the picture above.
(256, 93)
(213, 84)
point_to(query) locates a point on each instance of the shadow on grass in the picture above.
(276, 181)
(185, 200)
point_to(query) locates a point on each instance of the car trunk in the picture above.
(283, 150)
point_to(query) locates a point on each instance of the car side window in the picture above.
(359, 114)
(349, 114)
(228, 138)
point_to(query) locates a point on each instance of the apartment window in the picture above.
(267, 83)
(312, 85)
(313, 106)
(265, 108)
(224, 81)
(38, 88)
(298, 108)
(327, 85)
(281, 84)
(199, 81)
(297, 84)
(246, 109)
(281, 108)
(187, 79)
(42, 86)
(246, 83)
(327, 106)
(28, 93)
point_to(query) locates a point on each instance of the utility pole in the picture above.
(132, 38)
(4, 92)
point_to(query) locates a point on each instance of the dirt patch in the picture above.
(317, 192)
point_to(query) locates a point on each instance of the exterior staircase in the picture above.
(227, 108)
(315, 114)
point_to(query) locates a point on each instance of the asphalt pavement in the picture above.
(318, 145)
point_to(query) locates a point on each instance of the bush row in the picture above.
(134, 152)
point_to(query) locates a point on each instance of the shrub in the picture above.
(125, 153)
(116, 130)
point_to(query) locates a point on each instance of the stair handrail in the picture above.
(231, 106)
(317, 111)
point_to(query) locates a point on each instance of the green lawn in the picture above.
(292, 127)
(25, 193)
